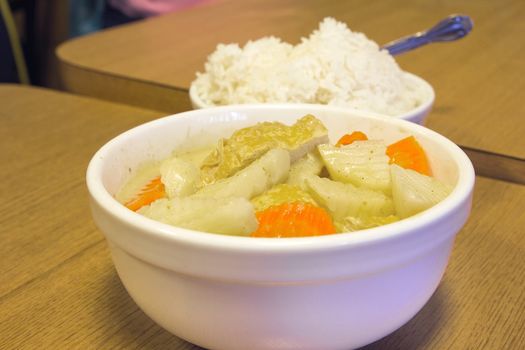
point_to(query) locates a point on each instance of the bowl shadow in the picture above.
(128, 326)
(421, 329)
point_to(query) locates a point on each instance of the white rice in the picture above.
(333, 66)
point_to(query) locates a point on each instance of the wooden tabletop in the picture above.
(478, 80)
(59, 290)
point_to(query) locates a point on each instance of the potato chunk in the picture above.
(230, 216)
(269, 170)
(361, 163)
(310, 164)
(343, 200)
(180, 177)
(414, 192)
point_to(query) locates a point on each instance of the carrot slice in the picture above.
(409, 154)
(293, 220)
(349, 138)
(151, 192)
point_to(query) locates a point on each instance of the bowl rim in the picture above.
(429, 92)
(149, 227)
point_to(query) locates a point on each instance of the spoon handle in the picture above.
(451, 28)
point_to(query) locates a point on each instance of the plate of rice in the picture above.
(332, 66)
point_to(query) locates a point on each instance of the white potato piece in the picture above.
(343, 200)
(361, 163)
(310, 164)
(180, 177)
(231, 216)
(414, 192)
(271, 169)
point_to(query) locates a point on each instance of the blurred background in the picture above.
(30, 30)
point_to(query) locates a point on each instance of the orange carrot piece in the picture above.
(293, 220)
(151, 192)
(409, 154)
(349, 138)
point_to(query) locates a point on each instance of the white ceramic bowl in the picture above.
(338, 291)
(417, 115)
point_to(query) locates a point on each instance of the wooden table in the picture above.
(478, 80)
(59, 290)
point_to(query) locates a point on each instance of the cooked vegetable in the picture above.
(310, 164)
(293, 220)
(274, 180)
(248, 144)
(180, 177)
(230, 216)
(343, 200)
(409, 154)
(151, 192)
(281, 194)
(362, 163)
(414, 192)
(269, 170)
(347, 139)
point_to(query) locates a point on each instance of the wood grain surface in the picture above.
(47, 139)
(478, 80)
(59, 290)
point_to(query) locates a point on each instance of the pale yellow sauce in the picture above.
(150, 170)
